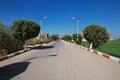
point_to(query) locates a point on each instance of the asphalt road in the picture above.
(59, 61)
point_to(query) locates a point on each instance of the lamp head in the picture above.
(45, 17)
(73, 18)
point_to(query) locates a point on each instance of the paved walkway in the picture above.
(59, 61)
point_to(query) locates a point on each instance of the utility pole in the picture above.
(77, 25)
(41, 22)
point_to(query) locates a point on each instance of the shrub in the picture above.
(8, 43)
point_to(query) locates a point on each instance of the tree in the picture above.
(96, 35)
(4, 43)
(5, 39)
(8, 43)
(74, 37)
(67, 37)
(54, 37)
(1, 26)
(25, 29)
(4, 28)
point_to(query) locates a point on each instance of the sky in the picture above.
(60, 12)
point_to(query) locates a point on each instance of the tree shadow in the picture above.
(43, 47)
(51, 55)
(12, 70)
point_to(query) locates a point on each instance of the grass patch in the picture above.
(84, 43)
(111, 47)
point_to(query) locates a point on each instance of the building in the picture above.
(42, 37)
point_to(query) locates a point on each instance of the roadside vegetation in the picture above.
(24, 30)
(75, 38)
(8, 43)
(96, 35)
(13, 37)
(110, 47)
(54, 37)
(97, 38)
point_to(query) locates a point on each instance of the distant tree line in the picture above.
(54, 37)
(73, 38)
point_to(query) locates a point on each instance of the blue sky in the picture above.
(59, 13)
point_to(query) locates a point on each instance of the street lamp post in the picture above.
(76, 25)
(45, 17)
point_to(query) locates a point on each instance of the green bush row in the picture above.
(8, 43)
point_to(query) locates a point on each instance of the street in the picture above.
(59, 60)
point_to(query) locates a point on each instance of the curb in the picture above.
(100, 53)
(18, 52)
(13, 54)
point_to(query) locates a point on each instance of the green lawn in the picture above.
(111, 48)
(83, 43)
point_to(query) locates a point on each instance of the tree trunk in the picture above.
(91, 44)
(25, 45)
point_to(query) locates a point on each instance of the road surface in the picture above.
(59, 61)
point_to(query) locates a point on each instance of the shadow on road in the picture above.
(12, 70)
(51, 55)
(43, 47)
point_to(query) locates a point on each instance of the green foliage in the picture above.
(84, 43)
(67, 37)
(3, 42)
(25, 29)
(111, 47)
(8, 43)
(95, 34)
(4, 28)
(1, 26)
(118, 40)
(74, 37)
(54, 37)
